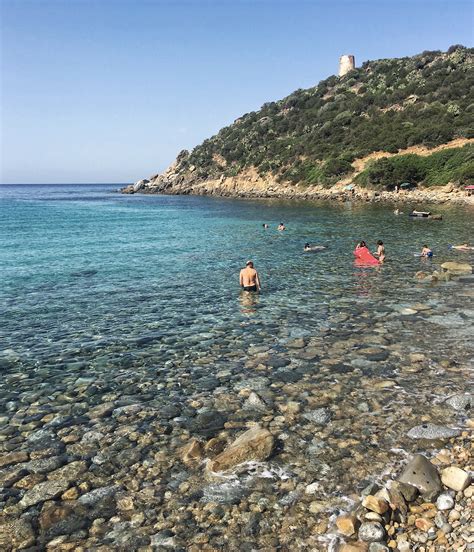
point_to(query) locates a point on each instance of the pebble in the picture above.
(455, 478)
(371, 531)
(444, 502)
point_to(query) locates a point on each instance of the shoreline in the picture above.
(336, 194)
(401, 508)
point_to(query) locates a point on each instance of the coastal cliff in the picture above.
(364, 134)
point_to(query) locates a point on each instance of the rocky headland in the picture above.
(365, 135)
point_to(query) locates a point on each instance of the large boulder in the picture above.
(421, 474)
(255, 444)
(456, 268)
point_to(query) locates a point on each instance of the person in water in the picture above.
(309, 247)
(426, 251)
(380, 253)
(249, 279)
(463, 247)
(265, 225)
(361, 244)
(281, 226)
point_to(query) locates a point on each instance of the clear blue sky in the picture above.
(111, 90)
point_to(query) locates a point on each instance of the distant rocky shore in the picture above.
(250, 186)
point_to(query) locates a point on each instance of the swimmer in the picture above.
(281, 226)
(398, 212)
(249, 279)
(380, 253)
(463, 247)
(426, 252)
(309, 247)
(265, 225)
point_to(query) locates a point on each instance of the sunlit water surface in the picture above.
(137, 298)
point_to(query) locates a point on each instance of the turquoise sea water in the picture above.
(84, 261)
(135, 300)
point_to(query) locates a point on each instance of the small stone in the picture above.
(316, 507)
(378, 547)
(312, 488)
(424, 524)
(375, 504)
(347, 524)
(455, 478)
(353, 547)
(101, 411)
(469, 492)
(371, 531)
(70, 494)
(125, 503)
(319, 416)
(372, 516)
(444, 502)
(446, 528)
(192, 453)
(453, 516)
(254, 402)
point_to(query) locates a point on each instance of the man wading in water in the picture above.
(249, 279)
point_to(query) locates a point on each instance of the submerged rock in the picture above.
(457, 268)
(44, 491)
(16, 534)
(319, 416)
(461, 401)
(432, 431)
(254, 444)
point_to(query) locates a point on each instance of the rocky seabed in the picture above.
(275, 440)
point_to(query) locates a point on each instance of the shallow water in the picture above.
(135, 300)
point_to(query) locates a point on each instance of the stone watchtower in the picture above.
(346, 64)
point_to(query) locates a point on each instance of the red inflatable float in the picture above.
(364, 256)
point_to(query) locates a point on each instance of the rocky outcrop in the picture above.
(250, 184)
(456, 268)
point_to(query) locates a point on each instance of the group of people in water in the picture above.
(250, 279)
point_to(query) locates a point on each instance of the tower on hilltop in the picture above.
(346, 64)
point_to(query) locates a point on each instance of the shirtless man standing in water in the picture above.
(249, 279)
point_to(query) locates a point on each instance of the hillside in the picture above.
(318, 136)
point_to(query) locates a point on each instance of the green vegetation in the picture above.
(454, 165)
(313, 135)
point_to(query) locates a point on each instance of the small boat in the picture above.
(420, 214)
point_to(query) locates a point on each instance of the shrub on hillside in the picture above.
(451, 165)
